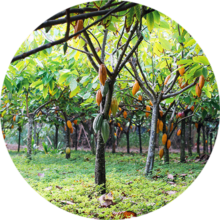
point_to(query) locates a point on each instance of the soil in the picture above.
(119, 149)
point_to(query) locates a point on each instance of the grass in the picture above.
(73, 181)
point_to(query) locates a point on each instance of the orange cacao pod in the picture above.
(12, 126)
(69, 124)
(151, 103)
(161, 113)
(121, 128)
(4, 136)
(179, 132)
(65, 127)
(130, 127)
(182, 70)
(164, 139)
(75, 122)
(98, 97)
(201, 81)
(119, 109)
(140, 98)
(135, 88)
(197, 125)
(160, 125)
(78, 27)
(71, 130)
(161, 152)
(102, 74)
(118, 124)
(167, 79)
(171, 127)
(168, 144)
(125, 114)
(110, 111)
(198, 90)
(14, 118)
(192, 108)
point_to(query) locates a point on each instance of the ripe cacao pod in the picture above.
(4, 136)
(71, 130)
(179, 132)
(166, 128)
(197, 125)
(135, 88)
(65, 127)
(97, 123)
(68, 150)
(110, 111)
(75, 122)
(147, 114)
(161, 113)
(161, 152)
(182, 70)
(198, 90)
(121, 128)
(164, 139)
(151, 103)
(130, 127)
(69, 124)
(118, 124)
(114, 106)
(168, 144)
(102, 74)
(115, 134)
(171, 127)
(148, 109)
(125, 114)
(12, 126)
(98, 97)
(201, 81)
(105, 130)
(78, 27)
(192, 108)
(14, 118)
(140, 98)
(160, 125)
(119, 109)
(104, 89)
(167, 79)
(206, 141)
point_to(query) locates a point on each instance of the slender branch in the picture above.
(91, 59)
(103, 45)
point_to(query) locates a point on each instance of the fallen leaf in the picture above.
(129, 183)
(59, 187)
(68, 202)
(48, 188)
(183, 174)
(40, 174)
(170, 176)
(171, 192)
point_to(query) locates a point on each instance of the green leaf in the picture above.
(205, 72)
(111, 27)
(45, 92)
(169, 100)
(65, 47)
(8, 84)
(201, 59)
(184, 62)
(187, 100)
(36, 84)
(150, 21)
(165, 44)
(156, 17)
(73, 84)
(74, 92)
(204, 113)
(130, 17)
(137, 10)
(190, 43)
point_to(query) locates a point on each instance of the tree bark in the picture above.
(166, 151)
(128, 143)
(19, 138)
(198, 139)
(190, 145)
(139, 131)
(38, 139)
(56, 136)
(76, 138)
(29, 139)
(152, 143)
(204, 141)
(112, 137)
(210, 143)
(183, 143)
(93, 142)
(35, 131)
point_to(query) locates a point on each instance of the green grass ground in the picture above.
(69, 184)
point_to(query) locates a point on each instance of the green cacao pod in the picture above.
(17, 118)
(114, 106)
(67, 150)
(97, 123)
(105, 130)
(104, 89)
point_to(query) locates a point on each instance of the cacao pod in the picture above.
(118, 124)
(201, 81)
(69, 124)
(102, 74)
(119, 109)
(4, 136)
(198, 90)
(197, 125)
(148, 109)
(115, 134)
(65, 127)
(206, 141)
(98, 97)
(164, 139)
(160, 125)
(104, 89)
(78, 27)
(147, 114)
(121, 128)
(130, 127)
(161, 152)
(168, 144)
(166, 128)
(192, 108)
(140, 98)
(182, 70)
(17, 118)
(110, 111)
(75, 122)
(179, 132)
(68, 150)
(105, 130)
(114, 106)
(97, 123)
(71, 130)
(161, 113)
(125, 114)
(171, 127)
(14, 118)
(151, 103)
(135, 88)
(12, 126)
(167, 79)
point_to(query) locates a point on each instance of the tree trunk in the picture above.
(56, 136)
(183, 143)
(19, 138)
(29, 139)
(190, 144)
(38, 139)
(67, 141)
(128, 143)
(76, 137)
(152, 142)
(112, 137)
(166, 151)
(35, 132)
(204, 141)
(93, 142)
(139, 131)
(198, 139)
(210, 143)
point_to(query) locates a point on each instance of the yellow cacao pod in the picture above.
(125, 114)
(69, 124)
(198, 90)
(98, 97)
(182, 70)
(140, 98)
(201, 81)
(164, 139)
(68, 150)
(179, 132)
(135, 88)
(102, 74)
(161, 152)
(114, 106)
(71, 130)
(151, 103)
(78, 27)
(119, 109)
(160, 125)
(167, 79)
(168, 144)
